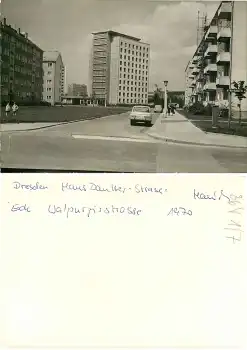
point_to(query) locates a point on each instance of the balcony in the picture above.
(193, 83)
(223, 81)
(209, 87)
(211, 50)
(223, 57)
(224, 34)
(212, 67)
(211, 33)
(195, 59)
(225, 10)
(195, 71)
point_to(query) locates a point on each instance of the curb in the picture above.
(58, 124)
(166, 139)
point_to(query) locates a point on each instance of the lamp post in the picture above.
(165, 98)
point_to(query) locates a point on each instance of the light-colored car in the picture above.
(141, 114)
(157, 109)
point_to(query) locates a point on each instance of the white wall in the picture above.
(46, 84)
(239, 48)
(114, 71)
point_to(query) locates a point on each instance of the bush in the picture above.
(196, 108)
(207, 110)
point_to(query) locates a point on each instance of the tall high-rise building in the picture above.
(119, 68)
(21, 67)
(54, 75)
(220, 58)
(77, 90)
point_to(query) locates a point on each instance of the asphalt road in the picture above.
(111, 144)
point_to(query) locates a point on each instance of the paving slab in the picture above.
(178, 129)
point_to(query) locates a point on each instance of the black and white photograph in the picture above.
(124, 86)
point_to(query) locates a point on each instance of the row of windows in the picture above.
(140, 61)
(132, 82)
(129, 58)
(133, 88)
(137, 47)
(133, 53)
(131, 70)
(131, 100)
(133, 95)
(141, 76)
(124, 63)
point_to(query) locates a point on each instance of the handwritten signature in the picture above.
(215, 196)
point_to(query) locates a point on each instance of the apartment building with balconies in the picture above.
(21, 67)
(119, 69)
(54, 76)
(220, 58)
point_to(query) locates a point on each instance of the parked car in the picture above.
(141, 114)
(157, 109)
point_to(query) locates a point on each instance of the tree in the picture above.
(239, 89)
(157, 95)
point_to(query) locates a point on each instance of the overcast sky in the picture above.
(66, 26)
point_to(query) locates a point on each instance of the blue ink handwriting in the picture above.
(179, 211)
(89, 211)
(31, 187)
(20, 207)
(234, 224)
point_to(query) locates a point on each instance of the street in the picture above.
(111, 144)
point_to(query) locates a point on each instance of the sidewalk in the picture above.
(179, 129)
(24, 126)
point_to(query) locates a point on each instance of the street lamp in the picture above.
(165, 98)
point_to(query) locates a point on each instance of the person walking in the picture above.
(7, 110)
(169, 109)
(15, 110)
(172, 109)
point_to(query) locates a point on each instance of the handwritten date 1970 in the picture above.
(179, 211)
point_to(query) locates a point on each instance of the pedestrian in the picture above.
(7, 110)
(15, 109)
(172, 109)
(169, 109)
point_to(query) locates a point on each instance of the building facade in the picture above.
(21, 67)
(119, 68)
(220, 59)
(54, 75)
(77, 90)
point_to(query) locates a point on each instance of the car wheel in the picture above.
(132, 122)
(149, 124)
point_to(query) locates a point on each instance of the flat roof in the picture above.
(112, 32)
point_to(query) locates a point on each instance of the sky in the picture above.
(66, 25)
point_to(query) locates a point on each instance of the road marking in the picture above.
(112, 138)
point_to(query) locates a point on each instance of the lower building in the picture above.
(21, 67)
(54, 74)
(77, 90)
